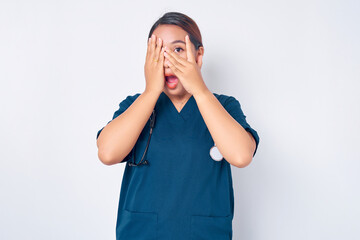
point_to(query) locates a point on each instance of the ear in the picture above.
(199, 56)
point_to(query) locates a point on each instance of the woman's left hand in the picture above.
(187, 70)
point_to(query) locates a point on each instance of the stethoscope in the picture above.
(214, 151)
(146, 162)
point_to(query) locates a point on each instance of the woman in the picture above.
(176, 190)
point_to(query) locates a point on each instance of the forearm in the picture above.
(119, 136)
(233, 141)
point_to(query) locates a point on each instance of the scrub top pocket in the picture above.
(211, 227)
(136, 225)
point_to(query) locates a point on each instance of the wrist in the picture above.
(152, 92)
(202, 92)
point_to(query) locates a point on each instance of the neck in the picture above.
(180, 98)
(179, 101)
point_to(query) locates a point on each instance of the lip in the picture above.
(169, 74)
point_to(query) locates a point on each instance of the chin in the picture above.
(177, 89)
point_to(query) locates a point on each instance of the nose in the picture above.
(166, 63)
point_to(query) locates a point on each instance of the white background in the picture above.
(293, 65)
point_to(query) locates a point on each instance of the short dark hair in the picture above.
(183, 21)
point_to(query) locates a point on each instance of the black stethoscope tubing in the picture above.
(133, 163)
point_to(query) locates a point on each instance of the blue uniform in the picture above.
(182, 193)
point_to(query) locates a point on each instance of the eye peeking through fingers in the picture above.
(179, 50)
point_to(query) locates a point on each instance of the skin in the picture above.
(120, 135)
(167, 34)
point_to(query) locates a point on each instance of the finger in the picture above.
(189, 52)
(174, 68)
(173, 61)
(161, 59)
(179, 59)
(148, 48)
(152, 47)
(158, 48)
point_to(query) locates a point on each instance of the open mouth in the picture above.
(171, 81)
(171, 78)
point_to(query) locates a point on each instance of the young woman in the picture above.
(179, 184)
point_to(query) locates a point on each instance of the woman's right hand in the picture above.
(154, 70)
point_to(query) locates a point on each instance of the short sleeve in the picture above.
(124, 104)
(233, 107)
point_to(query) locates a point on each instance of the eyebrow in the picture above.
(178, 41)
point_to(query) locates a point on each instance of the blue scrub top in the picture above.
(182, 193)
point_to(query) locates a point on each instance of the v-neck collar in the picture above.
(184, 112)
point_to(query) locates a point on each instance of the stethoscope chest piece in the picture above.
(215, 153)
